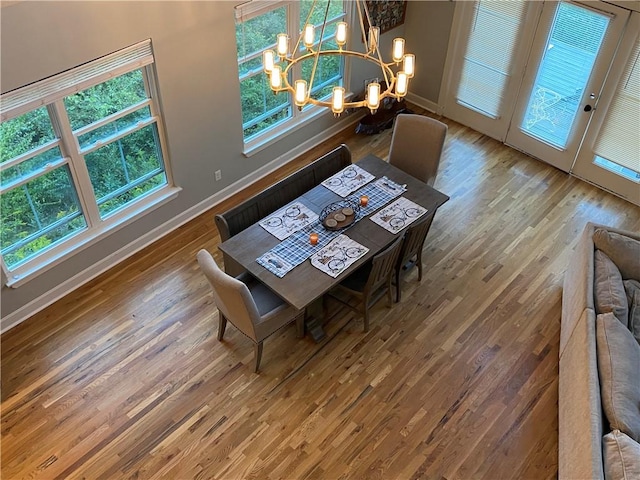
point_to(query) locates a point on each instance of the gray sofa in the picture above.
(585, 427)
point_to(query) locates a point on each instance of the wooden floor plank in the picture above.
(124, 378)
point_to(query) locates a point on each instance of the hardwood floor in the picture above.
(125, 378)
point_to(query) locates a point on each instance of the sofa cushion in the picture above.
(632, 287)
(608, 289)
(621, 456)
(623, 250)
(618, 367)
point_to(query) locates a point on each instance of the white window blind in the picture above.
(488, 58)
(30, 97)
(253, 8)
(618, 140)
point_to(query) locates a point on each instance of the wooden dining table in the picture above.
(305, 284)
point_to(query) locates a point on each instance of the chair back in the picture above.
(232, 297)
(382, 267)
(416, 146)
(414, 240)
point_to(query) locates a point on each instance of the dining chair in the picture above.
(248, 304)
(411, 251)
(369, 283)
(416, 146)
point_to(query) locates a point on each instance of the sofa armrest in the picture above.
(580, 417)
(577, 291)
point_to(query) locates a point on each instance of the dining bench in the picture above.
(254, 209)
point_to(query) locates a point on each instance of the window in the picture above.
(80, 153)
(257, 25)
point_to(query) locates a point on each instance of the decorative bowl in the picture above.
(345, 210)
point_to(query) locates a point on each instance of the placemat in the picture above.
(338, 255)
(348, 180)
(399, 214)
(288, 219)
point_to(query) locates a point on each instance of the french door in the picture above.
(610, 153)
(572, 49)
(553, 79)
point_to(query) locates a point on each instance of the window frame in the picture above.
(45, 94)
(297, 117)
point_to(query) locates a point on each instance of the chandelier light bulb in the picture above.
(337, 100)
(398, 49)
(402, 84)
(300, 96)
(282, 44)
(268, 60)
(373, 96)
(276, 77)
(374, 37)
(409, 64)
(341, 33)
(309, 35)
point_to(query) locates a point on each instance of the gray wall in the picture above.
(427, 29)
(191, 41)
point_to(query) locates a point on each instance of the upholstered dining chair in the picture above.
(416, 145)
(411, 251)
(248, 304)
(369, 283)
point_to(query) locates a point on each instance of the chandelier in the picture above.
(278, 65)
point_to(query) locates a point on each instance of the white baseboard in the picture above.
(152, 236)
(432, 107)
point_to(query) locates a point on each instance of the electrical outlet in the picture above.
(218, 175)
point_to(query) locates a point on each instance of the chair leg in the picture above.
(257, 350)
(419, 262)
(222, 325)
(366, 318)
(398, 270)
(389, 292)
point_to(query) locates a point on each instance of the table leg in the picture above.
(313, 320)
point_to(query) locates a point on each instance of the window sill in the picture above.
(272, 136)
(46, 261)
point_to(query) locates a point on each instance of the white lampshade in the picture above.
(402, 84)
(268, 61)
(276, 77)
(282, 44)
(309, 35)
(374, 38)
(409, 64)
(398, 49)
(337, 100)
(341, 33)
(373, 96)
(301, 92)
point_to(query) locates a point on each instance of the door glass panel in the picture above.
(571, 50)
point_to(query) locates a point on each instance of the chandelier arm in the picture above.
(297, 47)
(317, 56)
(385, 67)
(362, 29)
